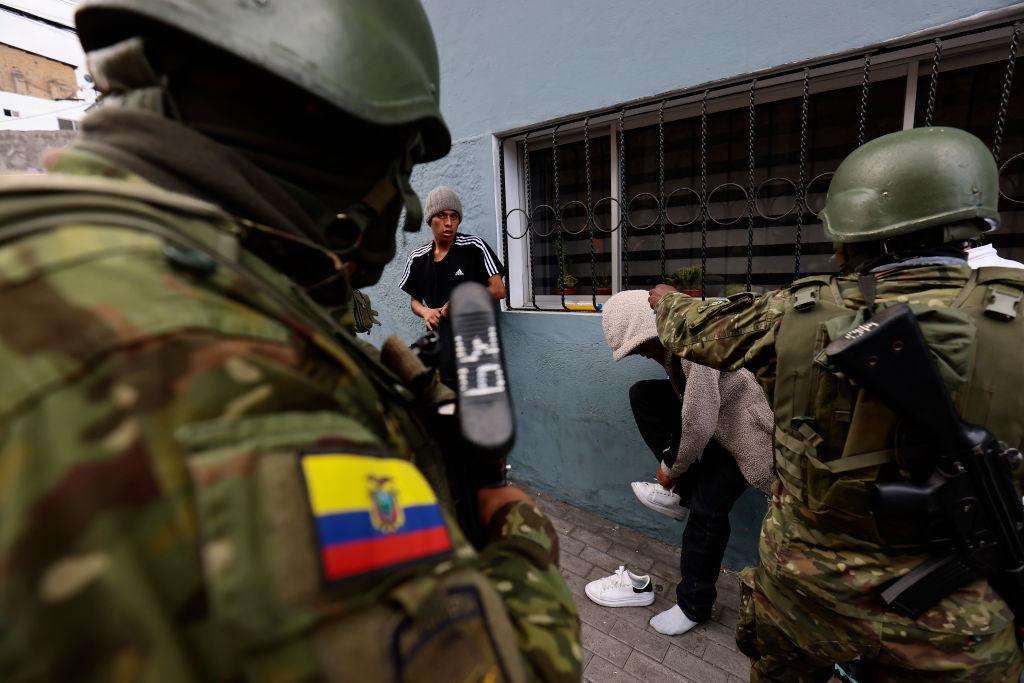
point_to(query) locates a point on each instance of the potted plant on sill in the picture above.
(602, 285)
(686, 280)
(566, 284)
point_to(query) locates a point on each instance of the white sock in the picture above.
(672, 622)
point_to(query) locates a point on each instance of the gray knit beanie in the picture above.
(628, 321)
(440, 199)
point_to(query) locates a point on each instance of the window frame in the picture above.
(979, 45)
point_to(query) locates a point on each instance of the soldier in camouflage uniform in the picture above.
(898, 210)
(202, 475)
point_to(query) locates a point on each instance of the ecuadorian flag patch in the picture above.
(371, 513)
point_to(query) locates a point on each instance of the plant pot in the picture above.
(602, 291)
(692, 292)
(565, 290)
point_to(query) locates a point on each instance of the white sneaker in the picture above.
(622, 589)
(659, 499)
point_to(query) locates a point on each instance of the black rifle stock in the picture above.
(967, 509)
(484, 409)
(474, 427)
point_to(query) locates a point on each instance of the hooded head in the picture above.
(628, 322)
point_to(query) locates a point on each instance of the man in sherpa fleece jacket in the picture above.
(712, 434)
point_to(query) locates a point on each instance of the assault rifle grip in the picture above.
(969, 495)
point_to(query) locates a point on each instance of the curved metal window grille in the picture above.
(728, 183)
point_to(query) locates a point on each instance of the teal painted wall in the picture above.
(509, 64)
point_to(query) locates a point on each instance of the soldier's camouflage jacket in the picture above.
(832, 442)
(198, 483)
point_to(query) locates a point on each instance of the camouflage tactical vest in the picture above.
(833, 441)
(441, 620)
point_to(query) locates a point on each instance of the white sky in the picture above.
(40, 38)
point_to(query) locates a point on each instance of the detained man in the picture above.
(711, 433)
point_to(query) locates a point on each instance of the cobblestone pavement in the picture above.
(618, 643)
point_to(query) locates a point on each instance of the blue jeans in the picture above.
(712, 485)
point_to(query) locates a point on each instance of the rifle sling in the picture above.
(868, 288)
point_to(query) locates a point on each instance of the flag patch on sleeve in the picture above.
(371, 513)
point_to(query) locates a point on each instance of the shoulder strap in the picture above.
(968, 287)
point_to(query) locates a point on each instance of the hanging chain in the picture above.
(1004, 100)
(933, 86)
(554, 162)
(703, 192)
(662, 208)
(623, 218)
(801, 200)
(560, 283)
(590, 212)
(529, 224)
(862, 123)
(504, 221)
(750, 185)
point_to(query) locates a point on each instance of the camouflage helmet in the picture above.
(375, 60)
(911, 180)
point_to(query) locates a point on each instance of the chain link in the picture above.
(623, 219)
(862, 122)
(933, 85)
(662, 208)
(590, 212)
(703, 193)
(560, 241)
(529, 224)
(504, 221)
(801, 199)
(1004, 100)
(751, 122)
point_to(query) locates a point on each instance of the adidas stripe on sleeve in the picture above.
(490, 261)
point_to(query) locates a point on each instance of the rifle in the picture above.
(475, 427)
(966, 508)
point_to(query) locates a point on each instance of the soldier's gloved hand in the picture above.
(655, 295)
(664, 477)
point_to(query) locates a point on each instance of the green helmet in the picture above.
(911, 180)
(372, 59)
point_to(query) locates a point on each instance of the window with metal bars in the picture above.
(728, 181)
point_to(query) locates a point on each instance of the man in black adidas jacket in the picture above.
(434, 269)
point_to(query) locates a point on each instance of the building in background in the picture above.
(43, 81)
(616, 141)
(44, 85)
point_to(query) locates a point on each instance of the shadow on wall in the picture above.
(21, 151)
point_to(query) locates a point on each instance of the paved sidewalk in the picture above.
(618, 643)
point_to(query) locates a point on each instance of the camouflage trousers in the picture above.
(793, 637)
